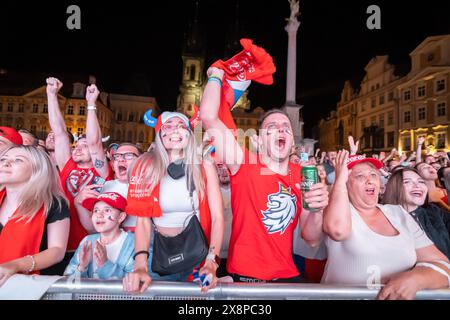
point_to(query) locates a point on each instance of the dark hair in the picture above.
(269, 113)
(395, 192)
(124, 144)
(441, 177)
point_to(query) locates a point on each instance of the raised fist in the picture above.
(53, 86)
(92, 94)
(216, 72)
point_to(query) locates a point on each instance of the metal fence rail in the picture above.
(89, 289)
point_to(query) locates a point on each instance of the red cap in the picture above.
(114, 199)
(357, 159)
(11, 134)
(169, 115)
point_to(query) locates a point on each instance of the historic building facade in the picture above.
(120, 116)
(391, 111)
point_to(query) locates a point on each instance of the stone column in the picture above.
(291, 79)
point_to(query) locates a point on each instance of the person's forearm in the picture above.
(210, 103)
(142, 242)
(337, 218)
(43, 260)
(93, 130)
(419, 153)
(55, 117)
(429, 279)
(85, 218)
(216, 234)
(312, 230)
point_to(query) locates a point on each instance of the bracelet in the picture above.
(141, 252)
(216, 79)
(92, 108)
(33, 263)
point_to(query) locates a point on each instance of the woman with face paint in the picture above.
(107, 254)
(168, 185)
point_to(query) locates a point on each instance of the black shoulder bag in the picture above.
(183, 252)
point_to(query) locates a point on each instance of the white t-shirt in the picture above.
(122, 189)
(113, 249)
(366, 254)
(175, 203)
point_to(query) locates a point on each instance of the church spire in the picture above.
(193, 44)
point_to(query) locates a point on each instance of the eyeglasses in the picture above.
(273, 128)
(126, 156)
(172, 127)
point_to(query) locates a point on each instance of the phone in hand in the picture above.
(100, 181)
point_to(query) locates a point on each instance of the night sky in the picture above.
(128, 38)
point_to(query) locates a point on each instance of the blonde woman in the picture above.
(159, 190)
(34, 216)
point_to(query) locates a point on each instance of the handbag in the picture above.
(182, 252)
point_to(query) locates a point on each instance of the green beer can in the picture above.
(309, 178)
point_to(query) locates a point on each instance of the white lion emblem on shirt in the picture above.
(281, 210)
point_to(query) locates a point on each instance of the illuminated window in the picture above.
(440, 138)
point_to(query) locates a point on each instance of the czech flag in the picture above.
(251, 64)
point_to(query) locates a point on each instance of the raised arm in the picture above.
(419, 149)
(337, 222)
(94, 133)
(227, 148)
(63, 151)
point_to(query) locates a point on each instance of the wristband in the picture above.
(216, 79)
(141, 252)
(92, 108)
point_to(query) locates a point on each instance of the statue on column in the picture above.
(295, 8)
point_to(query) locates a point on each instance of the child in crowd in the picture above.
(107, 254)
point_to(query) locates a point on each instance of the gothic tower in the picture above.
(192, 80)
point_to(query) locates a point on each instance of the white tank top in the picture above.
(175, 203)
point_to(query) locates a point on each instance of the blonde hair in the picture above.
(43, 187)
(152, 166)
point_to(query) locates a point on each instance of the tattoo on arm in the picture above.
(99, 164)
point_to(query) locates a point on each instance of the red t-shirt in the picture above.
(73, 180)
(266, 208)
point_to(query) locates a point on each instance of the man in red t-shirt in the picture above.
(265, 194)
(80, 167)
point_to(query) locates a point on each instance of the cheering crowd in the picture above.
(179, 212)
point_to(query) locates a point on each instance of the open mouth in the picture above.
(417, 194)
(122, 170)
(280, 143)
(100, 223)
(370, 191)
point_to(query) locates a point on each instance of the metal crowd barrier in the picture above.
(88, 289)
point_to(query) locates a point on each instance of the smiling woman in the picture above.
(407, 188)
